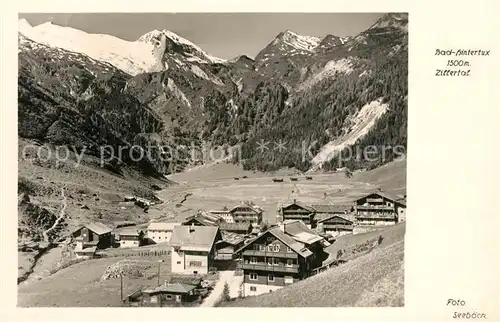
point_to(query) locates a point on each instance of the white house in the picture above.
(160, 232)
(193, 248)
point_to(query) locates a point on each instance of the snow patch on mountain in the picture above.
(177, 92)
(343, 66)
(201, 74)
(361, 124)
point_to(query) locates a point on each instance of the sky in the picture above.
(225, 35)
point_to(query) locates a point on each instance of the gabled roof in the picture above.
(300, 232)
(97, 228)
(168, 226)
(298, 203)
(296, 246)
(232, 238)
(198, 238)
(254, 208)
(384, 194)
(202, 219)
(172, 288)
(324, 217)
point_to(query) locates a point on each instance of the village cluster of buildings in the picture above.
(270, 257)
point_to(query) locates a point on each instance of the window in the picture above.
(270, 239)
(253, 288)
(169, 296)
(270, 261)
(256, 247)
(253, 276)
(262, 248)
(289, 250)
(276, 261)
(178, 262)
(289, 262)
(195, 263)
(288, 279)
(270, 278)
(253, 260)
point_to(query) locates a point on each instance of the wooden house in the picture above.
(247, 213)
(297, 211)
(95, 235)
(279, 257)
(334, 220)
(228, 245)
(193, 248)
(238, 228)
(379, 209)
(171, 294)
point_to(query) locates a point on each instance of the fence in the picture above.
(134, 253)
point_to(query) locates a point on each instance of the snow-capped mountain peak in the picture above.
(308, 43)
(133, 57)
(192, 49)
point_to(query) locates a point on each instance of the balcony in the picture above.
(270, 268)
(250, 252)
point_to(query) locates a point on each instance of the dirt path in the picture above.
(234, 283)
(62, 215)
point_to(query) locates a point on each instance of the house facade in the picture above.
(130, 238)
(297, 211)
(379, 209)
(278, 258)
(334, 220)
(247, 213)
(95, 235)
(160, 232)
(193, 249)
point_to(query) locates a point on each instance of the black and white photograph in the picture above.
(212, 159)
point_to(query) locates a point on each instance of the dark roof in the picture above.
(296, 246)
(97, 228)
(332, 208)
(397, 199)
(184, 279)
(232, 238)
(235, 226)
(298, 203)
(199, 238)
(202, 219)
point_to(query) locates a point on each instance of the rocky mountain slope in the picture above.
(171, 92)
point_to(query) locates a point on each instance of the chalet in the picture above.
(238, 228)
(247, 213)
(130, 237)
(379, 209)
(334, 220)
(228, 245)
(297, 211)
(193, 248)
(202, 219)
(280, 256)
(160, 232)
(93, 235)
(224, 214)
(171, 294)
